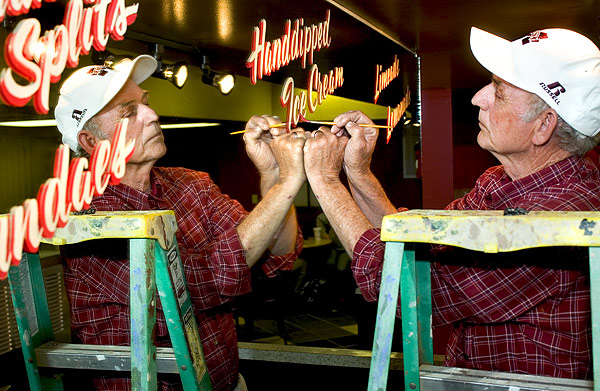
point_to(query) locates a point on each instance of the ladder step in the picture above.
(118, 358)
(436, 378)
(98, 357)
(331, 357)
(107, 357)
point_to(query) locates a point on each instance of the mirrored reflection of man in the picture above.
(219, 241)
(526, 312)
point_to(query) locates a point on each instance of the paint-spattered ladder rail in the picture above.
(155, 265)
(485, 231)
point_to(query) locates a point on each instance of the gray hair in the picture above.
(567, 138)
(93, 126)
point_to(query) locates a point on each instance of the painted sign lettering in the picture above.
(323, 85)
(297, 42)
(394, 116)
(300, 41)
(71, 189)
(383, 79)
(82, 28)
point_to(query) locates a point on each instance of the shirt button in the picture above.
(216, 342)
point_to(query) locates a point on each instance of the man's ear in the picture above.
(545, 126)
(87, 140)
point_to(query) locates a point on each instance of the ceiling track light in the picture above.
(105, 58)
(176, 73)
(224, 82)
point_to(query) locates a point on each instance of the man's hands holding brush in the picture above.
(349, 143)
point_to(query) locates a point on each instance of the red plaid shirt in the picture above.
(97, 272)
(526, 311)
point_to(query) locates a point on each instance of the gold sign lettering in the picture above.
(296, 42)
(383, 79)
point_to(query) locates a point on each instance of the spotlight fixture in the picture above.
(224, 82)
(105, 58)
(175, 73)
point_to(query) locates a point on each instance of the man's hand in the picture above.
(287, 148)
(357, 157)
(366, 189)
(257, 137)
(323, 156)
(279, 158)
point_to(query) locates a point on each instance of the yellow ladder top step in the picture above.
(154, 224)
(491, 231)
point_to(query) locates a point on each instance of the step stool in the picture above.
(155, 263)
(486, 231)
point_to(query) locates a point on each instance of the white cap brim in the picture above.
(493, 53)
(138, 70)
(142, 67)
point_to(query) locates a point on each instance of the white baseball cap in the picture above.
(560, 66)
(90, 88)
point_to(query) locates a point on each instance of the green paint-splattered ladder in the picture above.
(155, 265)
(486, 231)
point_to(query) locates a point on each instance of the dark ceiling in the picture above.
(443, 26)
(440, 27)
(364, 32)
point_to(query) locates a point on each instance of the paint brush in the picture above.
(361, 125)
(303, 119)
(270, 126)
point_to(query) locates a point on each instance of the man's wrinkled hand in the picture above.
(360, 147)
(257, 138)
(288, 151)
(323, 156)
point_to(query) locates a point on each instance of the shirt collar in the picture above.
(133, 198)
(136, 199)
(156, 187)
(507, 189)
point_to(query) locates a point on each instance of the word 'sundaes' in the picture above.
(71, 189)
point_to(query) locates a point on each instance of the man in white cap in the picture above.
(526, 312)
(219, 241)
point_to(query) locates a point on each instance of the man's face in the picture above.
(132, 103)
(503, 132)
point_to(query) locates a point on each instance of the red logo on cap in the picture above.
(554, 90)
(534, 37)
(78, 115)
(98, 71)
(557, 87)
